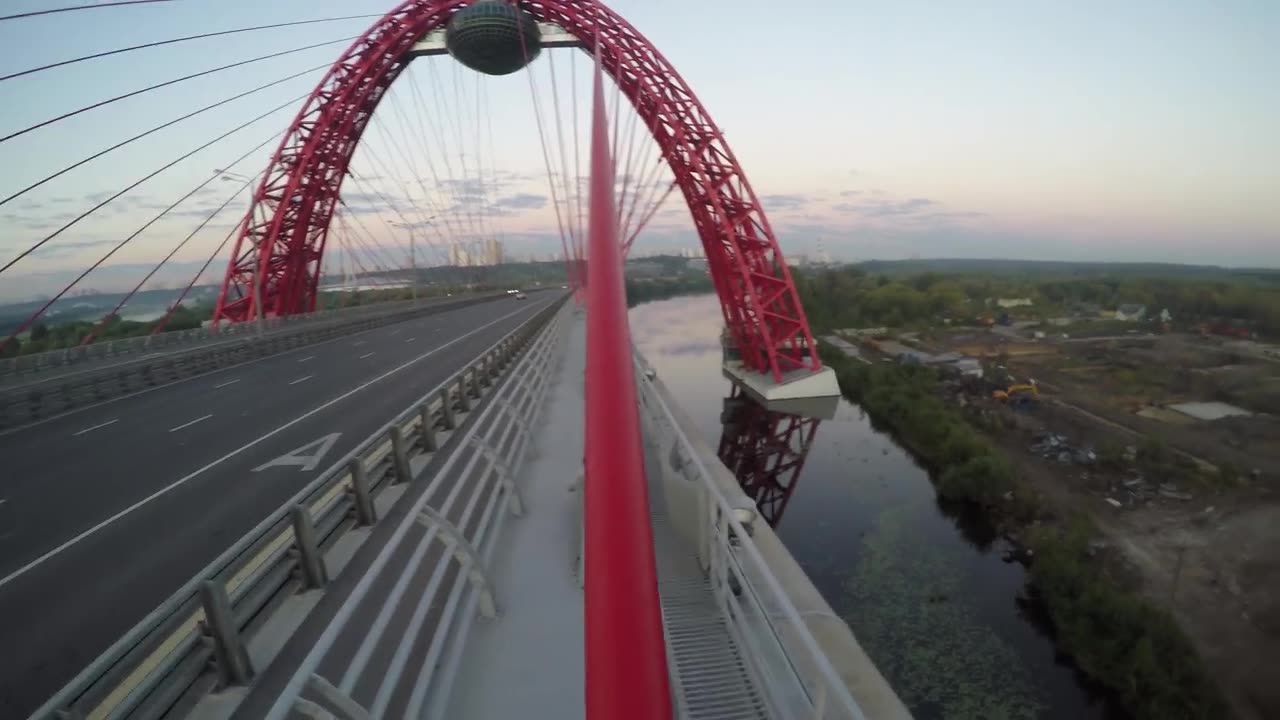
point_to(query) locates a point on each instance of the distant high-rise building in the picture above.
(458, 255)
(493, 252)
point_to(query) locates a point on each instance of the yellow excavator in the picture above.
(1021, 395)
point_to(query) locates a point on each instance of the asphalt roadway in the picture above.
(105, 511)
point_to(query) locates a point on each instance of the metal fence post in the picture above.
(464, 403)
(232, 659)
(366, 515)
(310, 561)
(446, 409)
(428, 428)
(399, 455)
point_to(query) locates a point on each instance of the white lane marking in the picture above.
(191, 476)
(305, 457)
(187, 425)
(357, 343)
(366, 355)
(411, 339)
(304, 378)
(396, 331)
(229, 382)
(309, 357)
(112, 422)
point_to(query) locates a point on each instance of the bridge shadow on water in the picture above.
(922, 582)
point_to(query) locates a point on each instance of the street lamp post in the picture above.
(413, 254)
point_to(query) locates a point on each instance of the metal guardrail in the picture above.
(417, 598)
(42, 398)
(788, 666)
(195, 641)
(25, 368)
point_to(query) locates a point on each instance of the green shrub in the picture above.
(1114, 635)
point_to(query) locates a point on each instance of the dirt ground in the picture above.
(1212, 559)
(1203, 544)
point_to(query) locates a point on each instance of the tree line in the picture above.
(853, 297)
(1114, 634)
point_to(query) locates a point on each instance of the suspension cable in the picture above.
(459, 185)
(391, 172)
(394, 208)
(487, 209)
(155, 129)
(93, 332)
(157, 86)
(31, 320)
(34, 13)
(577, 165)
(650, 186)
(145, 178)
(574, 193)
(438, 123)
(422, 106)
(160, 43)
(546, 160)
(387, 255)
(348, 236)
(653, 209)
(403, 123)
(194, 279)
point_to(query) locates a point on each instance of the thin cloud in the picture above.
(66, 248)
(887, 208)
(521, 201)
(784, 202)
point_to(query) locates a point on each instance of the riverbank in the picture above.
(642, 290)
(1101, 619)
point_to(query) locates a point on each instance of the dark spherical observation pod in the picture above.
(486, 37)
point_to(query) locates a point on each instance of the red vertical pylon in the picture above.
(626, 657)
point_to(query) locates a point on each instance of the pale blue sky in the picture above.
(1139, 130)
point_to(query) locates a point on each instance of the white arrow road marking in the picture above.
(305, 457)
(89, 532)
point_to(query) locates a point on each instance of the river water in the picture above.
(922, 586)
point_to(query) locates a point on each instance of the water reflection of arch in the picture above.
(765, 450)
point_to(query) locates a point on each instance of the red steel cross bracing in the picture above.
(278, 250)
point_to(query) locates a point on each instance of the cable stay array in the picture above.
(437, 191)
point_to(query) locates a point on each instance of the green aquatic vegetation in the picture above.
(903, 601)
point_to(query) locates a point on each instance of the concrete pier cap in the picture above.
(806, 393)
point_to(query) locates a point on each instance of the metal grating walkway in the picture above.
(710, 679)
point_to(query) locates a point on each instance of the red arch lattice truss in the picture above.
(285, 229)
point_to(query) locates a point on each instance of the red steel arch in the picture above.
(282, 238)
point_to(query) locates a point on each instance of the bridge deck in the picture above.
(529, 661)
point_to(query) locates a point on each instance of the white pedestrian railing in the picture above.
(416, 599)
(196, 641)
(785, 661)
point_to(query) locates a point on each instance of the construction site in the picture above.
(1169, 441)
